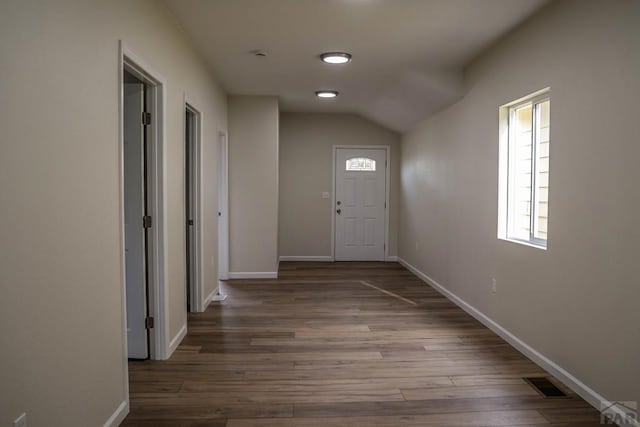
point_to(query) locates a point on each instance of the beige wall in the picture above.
(61, 330)
(306, 143)
(253, 184)
(577, 302)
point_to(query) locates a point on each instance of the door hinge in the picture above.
(385, 163)
(146, 221)
(190, 222)
(385, 205)
(146, 118)
(148, 322)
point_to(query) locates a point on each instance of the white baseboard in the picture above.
(253, 275)
(118, 416)
(324, 258)
(175, 342)
(317, 258)
(584, 391)
(209, 298)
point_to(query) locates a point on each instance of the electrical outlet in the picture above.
(21, 421)
(494, 285)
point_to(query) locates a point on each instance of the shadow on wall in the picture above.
(415, 95)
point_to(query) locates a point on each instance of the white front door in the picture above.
(360, 204)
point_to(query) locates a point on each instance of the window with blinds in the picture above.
(525, 170)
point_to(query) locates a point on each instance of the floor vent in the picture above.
(545, 387)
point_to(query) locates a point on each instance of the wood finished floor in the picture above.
(342, 344)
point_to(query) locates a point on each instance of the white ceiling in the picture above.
(407, 54)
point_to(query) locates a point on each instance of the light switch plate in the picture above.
(325, 194)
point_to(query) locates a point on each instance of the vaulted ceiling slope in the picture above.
(408, 55)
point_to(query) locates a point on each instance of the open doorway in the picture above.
(136, 214)
(142, 209)
(193, 214)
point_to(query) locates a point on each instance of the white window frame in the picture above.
(364, 169)
(507, 116)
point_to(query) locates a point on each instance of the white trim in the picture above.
(387, 148)
(197, 286)
(223, 206)
(210, 298)
(506, 114)
(121, 222)
(175, 341)
(534, 96)
(253, 275)
(523, 242)
(158, 271)
(332, 208)
(119, 415)
(584, 391)
(318, 258)
(391, 258)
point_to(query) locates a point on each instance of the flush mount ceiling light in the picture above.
(326, 93)
(335, 57)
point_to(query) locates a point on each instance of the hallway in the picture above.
(358, 344)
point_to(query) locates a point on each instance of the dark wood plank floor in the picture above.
(342, 344)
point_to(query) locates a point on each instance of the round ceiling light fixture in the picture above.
(326, 93)
(335, 57)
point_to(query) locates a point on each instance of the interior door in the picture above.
(189, 208)
(360, 204)
(134, 211)
(223, 208)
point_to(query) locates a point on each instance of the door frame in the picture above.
(196, 290)
(223, 207)
(335, 149)
(157, 249)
